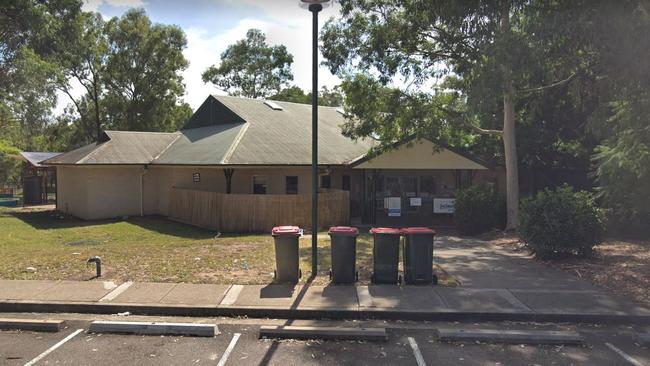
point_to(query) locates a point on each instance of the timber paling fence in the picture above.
(256, 213)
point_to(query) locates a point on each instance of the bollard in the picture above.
(98, 264)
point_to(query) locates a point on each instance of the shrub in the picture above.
(560, 223)
(477, 209)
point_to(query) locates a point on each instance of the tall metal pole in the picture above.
(314, 8)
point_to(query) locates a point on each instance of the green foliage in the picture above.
(561, 222)
(326, 97)
(623, 168)
(143, 74)
(8, 163)
(251, 68)
(477, 209)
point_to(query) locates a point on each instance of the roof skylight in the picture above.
(273, 105)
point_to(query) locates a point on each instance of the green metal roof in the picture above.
(119, 148)
(229, 131)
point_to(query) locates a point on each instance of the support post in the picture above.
(228, 173)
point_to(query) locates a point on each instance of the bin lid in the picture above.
(384, 230)
(286, 230)
(344, 230)
(417, 230)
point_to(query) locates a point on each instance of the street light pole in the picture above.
(314, 6)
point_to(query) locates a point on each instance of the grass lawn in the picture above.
(150, 249)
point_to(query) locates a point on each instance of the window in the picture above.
(259, 184)
(345, 183)
(325, 181)
(427, 186)
(291, 183)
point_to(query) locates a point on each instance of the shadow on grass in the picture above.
(48, 220)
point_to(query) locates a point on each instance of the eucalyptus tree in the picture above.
(251, 68)
(446, 65)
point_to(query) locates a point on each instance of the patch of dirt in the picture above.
(620, 266)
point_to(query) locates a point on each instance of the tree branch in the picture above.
(541, 88)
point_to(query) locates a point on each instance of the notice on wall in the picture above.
(415, 201)
(443, 205)
(394, 206)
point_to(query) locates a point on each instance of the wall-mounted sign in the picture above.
(394, 205)
(196, 177)
(443, 205)
(416, 201)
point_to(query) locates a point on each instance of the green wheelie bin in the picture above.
(287, 268)
(385, 255)
(418, 256)
(344, 254)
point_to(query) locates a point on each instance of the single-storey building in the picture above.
(244, 165)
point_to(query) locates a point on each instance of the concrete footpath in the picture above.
(320, 302)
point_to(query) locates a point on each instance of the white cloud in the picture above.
(204, 50)
(93, 5)
(285, 23)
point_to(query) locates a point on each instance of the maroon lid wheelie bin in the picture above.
(287, 268)
(418, 256)
(344, 254)
(385, 255)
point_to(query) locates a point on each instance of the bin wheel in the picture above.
(330, 274)
(300, 273)
(275, 275)
(356, 275)
(400, 280)
(434, 279)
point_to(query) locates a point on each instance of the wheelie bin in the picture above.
(344, 254)
(418, 256)
(385, 255)
(286, 254)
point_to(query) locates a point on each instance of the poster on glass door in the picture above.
(394, 205)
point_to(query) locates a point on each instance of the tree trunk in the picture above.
(98, 123)
(510, 149)
(509, 138)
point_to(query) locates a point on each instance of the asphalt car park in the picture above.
(238, 344)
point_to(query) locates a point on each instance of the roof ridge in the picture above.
(156, 132)
(178, 136)
(235, 144)
(273, 100)
(101, 146)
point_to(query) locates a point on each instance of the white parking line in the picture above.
(416, 352)
(231, 346)
(627, 357)
(51, 349)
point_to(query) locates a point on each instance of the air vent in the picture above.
(273, 106)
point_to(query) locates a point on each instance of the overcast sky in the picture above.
(212, 25)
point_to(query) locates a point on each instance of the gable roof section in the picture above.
(212, 112)
(208, 145)
(118, 147)
(417, 153)
(36, 157)
(283, 137)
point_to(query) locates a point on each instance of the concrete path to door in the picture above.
(480, 264)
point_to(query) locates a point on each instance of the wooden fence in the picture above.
(256, 213)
